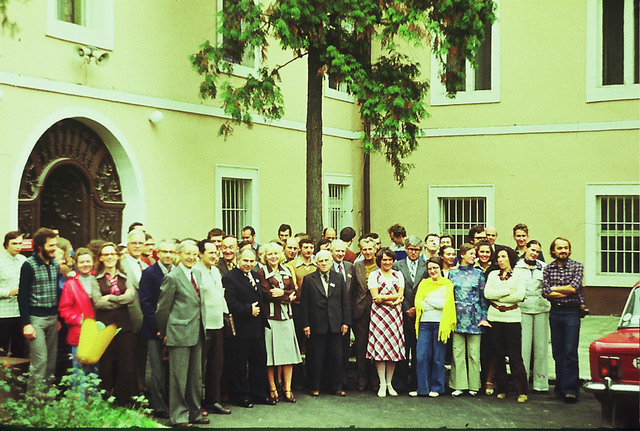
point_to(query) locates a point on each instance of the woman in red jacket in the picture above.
(75, 304)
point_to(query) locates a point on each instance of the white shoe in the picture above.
(391, 391)
(413, 393)
(434, 394)
(473, 393)
(456, 393)
(382, 392)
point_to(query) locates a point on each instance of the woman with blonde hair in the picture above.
(279, 290)
(435, 321)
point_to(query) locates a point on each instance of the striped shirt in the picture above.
(9, 280)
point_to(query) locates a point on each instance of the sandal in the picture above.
(273, 395)
(288, 397)
(488, 388)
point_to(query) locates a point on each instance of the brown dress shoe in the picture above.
(201, 421)
(341, 393)
(314, 393)
(182, 425)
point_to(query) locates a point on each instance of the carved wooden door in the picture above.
(70, 183)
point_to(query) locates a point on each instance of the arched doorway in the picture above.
(70, 183)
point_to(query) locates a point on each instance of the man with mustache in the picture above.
(562, 286)
(38, 304)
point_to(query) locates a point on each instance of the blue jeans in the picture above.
(565, 334)
(430, 353)
(80, 370)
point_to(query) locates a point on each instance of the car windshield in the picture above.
(631, 315)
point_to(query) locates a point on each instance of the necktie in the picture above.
(113, 282)
(414, 264)
(340, 269)
(195, 286)
(253, 283)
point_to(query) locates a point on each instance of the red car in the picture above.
(615, 367)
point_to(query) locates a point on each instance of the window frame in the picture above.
(240, 173)
(239, 69)
(438, 93)
(98, 32)
(436, 192)
(592, 277)
(342, 180)
(595, 91)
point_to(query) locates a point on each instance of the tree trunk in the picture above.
(314, 144)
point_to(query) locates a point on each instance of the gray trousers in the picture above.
(185, 383)
(158, 382)
(43, 350)
(535, 334)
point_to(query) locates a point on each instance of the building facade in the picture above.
(102, 125)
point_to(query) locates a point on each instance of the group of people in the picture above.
(223, 318)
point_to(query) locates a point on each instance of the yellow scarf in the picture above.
(448, 321)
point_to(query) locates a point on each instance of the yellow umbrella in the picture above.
(94, 339)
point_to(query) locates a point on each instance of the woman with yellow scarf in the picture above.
(435, 321)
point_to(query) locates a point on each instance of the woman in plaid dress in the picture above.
(386, 335)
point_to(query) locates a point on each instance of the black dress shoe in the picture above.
(201, 421)
(218, 409)
(245, 403)
(265, 401)
(160, 415)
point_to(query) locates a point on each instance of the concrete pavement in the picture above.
(367, 410)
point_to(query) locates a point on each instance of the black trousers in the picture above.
(249, 366)
(325, 350)
(11, 334)
(212, 362)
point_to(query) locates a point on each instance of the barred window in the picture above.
(236, 196)
(618, 230)
(459, 214)
(337, 207)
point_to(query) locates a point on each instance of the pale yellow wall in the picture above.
(539, 180)
(176, 158)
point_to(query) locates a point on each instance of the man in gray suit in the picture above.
(348, 273)
(181, 321)
(133, 267)
(413, 270)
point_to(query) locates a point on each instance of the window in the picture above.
(336, 89)
(339, 201)
(482, 85)
(236, 198)
(89, 22)
(613, 234)
(245, 62)
(455, 209)
(613, 53)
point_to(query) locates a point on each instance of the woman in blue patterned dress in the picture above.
(386, 333)
(471, 313)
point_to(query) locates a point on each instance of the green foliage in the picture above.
(66, 406)
(388, 86)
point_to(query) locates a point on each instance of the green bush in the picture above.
(66, 405)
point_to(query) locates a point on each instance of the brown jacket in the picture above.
(267, 282)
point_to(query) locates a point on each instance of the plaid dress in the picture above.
(386, 333)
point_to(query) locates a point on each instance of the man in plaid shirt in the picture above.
(562, 286)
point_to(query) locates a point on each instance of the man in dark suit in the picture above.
(361, 312)
(244, 299)
(149, 293)
(413, 270)
(325, 319)
(348, 273)
(180, 318)
(228, 252)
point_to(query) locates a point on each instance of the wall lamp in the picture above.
(89, 53)
(156, 117)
